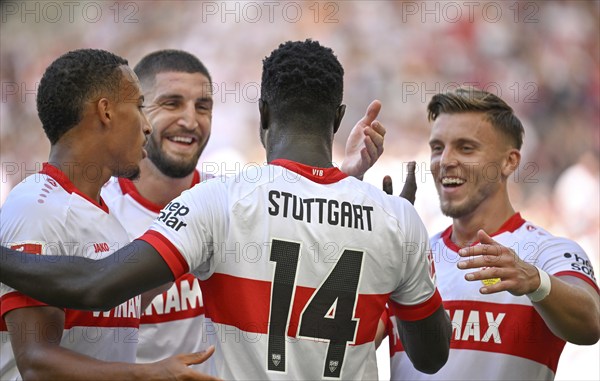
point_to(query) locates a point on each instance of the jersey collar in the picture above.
(128, 187)
(316, 174)
(510, 225)
(61, 178)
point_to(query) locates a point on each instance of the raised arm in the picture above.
(85, 284)
(365, 143)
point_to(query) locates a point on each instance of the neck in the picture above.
(305, 148)
(88, 176)
(159, 188)
(489, 216)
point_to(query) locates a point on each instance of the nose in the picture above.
(188, 118)
(448, 158)
(146, 126)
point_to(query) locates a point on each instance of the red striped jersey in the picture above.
(498, 336)
(297, 264)
(47, 214)
(173, 322)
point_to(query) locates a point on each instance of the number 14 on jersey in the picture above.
(328, 315)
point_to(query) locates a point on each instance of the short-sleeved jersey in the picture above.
(297, 264)
(47, 214)
(498, 336)
(173, 322)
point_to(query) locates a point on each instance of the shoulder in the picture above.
(36, 209)
(531, 234)
(36, 196)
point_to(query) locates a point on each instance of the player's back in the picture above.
(297, 274)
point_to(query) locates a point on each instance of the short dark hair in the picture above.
(71, 80)
(302, 78)
(162, 61)
(468, 99)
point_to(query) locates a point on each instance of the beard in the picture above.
(458, 210)
(168, 166)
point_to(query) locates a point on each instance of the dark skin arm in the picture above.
(409, 191)
(91, 285)
(427, 341)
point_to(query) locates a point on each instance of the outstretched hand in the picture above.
(365, 143)
(177, 367)
(500, 269)
(409, 190)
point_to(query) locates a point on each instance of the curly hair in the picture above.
(168, 60)
(469, 99)
(303, 78)
(72, 80)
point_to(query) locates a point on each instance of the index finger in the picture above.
(480, 249)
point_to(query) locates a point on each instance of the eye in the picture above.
(436, 148)
(202, 107)
(467, 148)
(169, 104)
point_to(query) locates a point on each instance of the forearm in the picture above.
(571, 310)
(85, 284)
(26, 272)
(427, 341)
(57, 363)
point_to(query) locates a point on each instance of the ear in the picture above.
(104, 111)
(339, 115)
(263, 110)
(512, 162)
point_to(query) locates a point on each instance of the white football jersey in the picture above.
(498, 336)
(297, 264)
(46, 214)
(173, 322)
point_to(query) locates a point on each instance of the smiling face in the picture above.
(470, 161)
(180, 111)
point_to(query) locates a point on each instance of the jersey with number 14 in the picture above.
(297, 264)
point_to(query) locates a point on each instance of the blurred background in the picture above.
(541, 57)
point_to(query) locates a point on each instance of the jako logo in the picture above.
(101, 247)
(171, 213)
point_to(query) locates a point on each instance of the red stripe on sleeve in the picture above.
(16, 300)
(168, 252)
(418, 311)
(580, 276)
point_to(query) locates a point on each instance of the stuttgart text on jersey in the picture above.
(320, 210)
